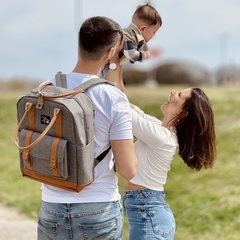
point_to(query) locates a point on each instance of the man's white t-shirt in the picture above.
(112, 121)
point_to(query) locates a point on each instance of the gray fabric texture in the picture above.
(75, 152)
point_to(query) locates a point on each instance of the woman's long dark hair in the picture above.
(196, 132)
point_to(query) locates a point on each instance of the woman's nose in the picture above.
(173, 92)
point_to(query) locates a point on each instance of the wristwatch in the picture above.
(112, 66)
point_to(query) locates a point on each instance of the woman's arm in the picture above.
(144, 115)
(149, 131)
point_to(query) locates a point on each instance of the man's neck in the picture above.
(93, 68)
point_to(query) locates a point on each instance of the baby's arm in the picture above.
(132, 52)
(154, 52)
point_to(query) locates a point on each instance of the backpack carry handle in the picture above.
(28, 106)
(69, 93)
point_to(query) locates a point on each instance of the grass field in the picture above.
(206, 204)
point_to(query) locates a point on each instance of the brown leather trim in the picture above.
(31, 119)
(53, 161)
(63, 184)
(56, 112)
(26, 152)
(58, 124)
(69, 93)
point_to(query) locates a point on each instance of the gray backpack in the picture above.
(55, 135)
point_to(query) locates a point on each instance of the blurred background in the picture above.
(199, 39)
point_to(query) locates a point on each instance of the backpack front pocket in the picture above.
(48, 157)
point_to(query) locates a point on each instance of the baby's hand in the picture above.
(155, 52)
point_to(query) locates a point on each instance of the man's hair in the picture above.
(97, 35)
(196, 132)
(147, 14)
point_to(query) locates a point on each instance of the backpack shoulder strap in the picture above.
(61, 80)
(103, 154)
(92, 82)
(84, 86)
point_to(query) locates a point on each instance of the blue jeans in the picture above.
(149, 215)
(85, 221)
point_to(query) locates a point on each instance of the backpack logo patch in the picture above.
(45, 119)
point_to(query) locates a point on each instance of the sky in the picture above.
(39, 38)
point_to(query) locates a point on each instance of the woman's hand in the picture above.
(132, 105)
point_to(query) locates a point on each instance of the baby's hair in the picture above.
(148, 2)
(147, 14)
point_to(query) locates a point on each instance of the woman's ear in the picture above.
(182, 115)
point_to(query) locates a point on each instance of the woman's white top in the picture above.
(155, 149)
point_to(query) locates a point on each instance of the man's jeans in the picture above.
(149, 215)
(83, 221)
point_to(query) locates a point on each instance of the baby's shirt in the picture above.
(134, 44)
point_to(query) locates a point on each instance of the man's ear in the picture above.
(109, 53)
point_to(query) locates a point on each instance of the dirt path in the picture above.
(16, 227)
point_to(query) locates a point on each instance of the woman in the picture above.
(187, 125)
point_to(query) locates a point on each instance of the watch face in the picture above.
(112, 66)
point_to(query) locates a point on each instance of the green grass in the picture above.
(205, 204)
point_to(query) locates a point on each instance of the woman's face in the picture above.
(175, 102)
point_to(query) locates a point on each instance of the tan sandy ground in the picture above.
(16, 227)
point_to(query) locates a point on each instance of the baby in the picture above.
(146, 21)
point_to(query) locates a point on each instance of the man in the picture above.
(96, 211)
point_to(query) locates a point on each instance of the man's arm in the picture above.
(125, 158)
(123, 150)
(115, 76)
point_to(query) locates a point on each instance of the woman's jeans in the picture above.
(149, 215)
(83, 221)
